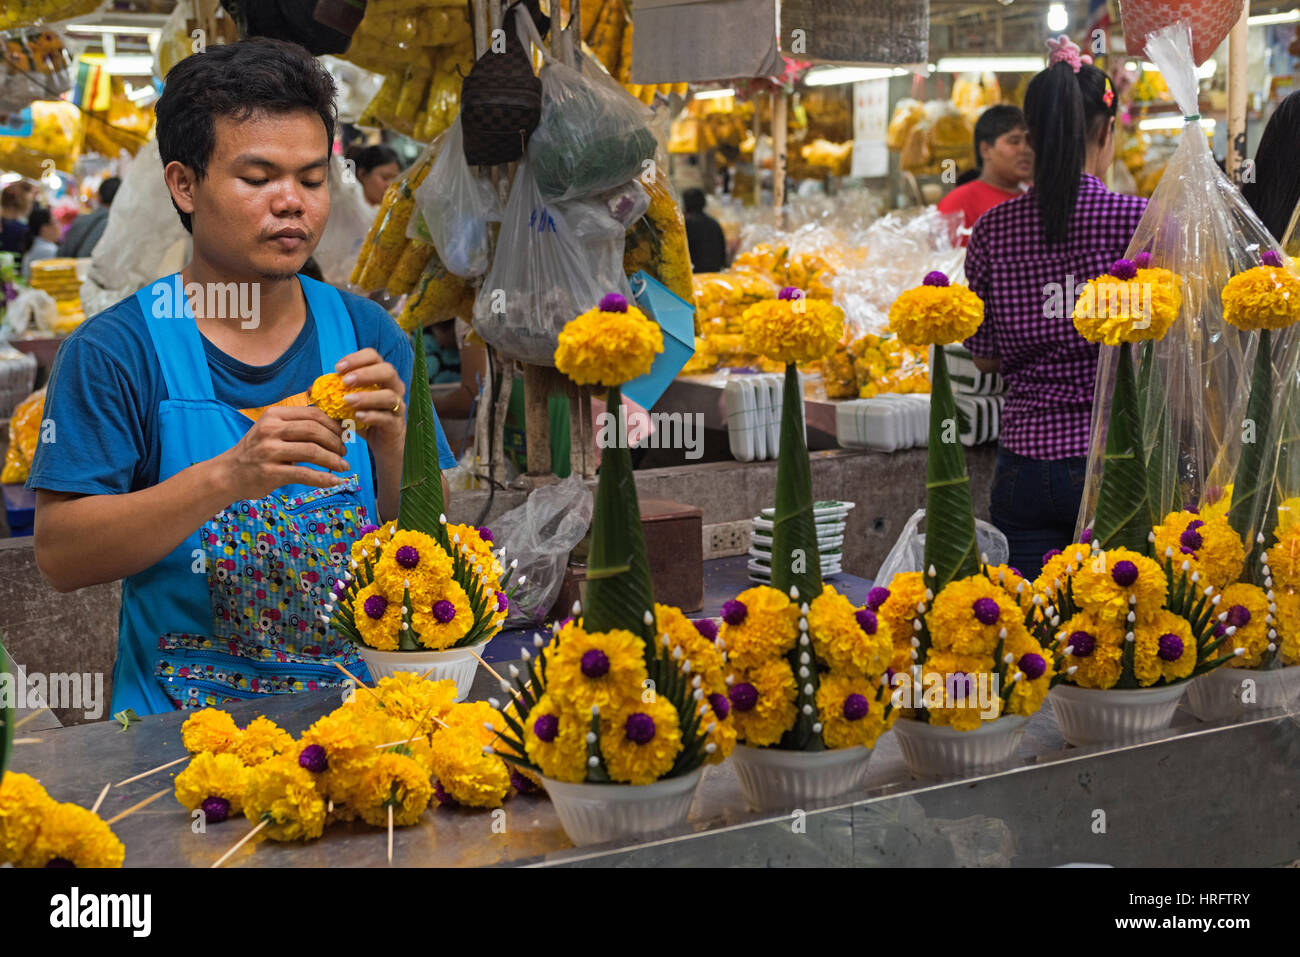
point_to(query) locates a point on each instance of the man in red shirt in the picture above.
(1004, 165)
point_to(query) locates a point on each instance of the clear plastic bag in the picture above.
(908, 553)
(350, 219)
(540, 534)
(553, 261)
(457, 203)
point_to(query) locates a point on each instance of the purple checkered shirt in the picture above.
(1028, 290)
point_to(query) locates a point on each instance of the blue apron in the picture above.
(234, 611)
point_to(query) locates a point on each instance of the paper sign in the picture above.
(870, 124)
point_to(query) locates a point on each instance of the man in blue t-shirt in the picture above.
(189, 403)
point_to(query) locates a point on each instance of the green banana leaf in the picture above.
(1254, 476)
(950, 546)
(1122, 519)
(618, 573)
(6, 715)
(795, 558)
(422, 503)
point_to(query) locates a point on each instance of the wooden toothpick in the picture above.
(242, 841)
(390, 834)
(359, 683)
(27, 741)
(100, 800)
(23, 720)
(145, 774)
(138, 805)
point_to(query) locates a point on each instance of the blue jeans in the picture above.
(1035, 503)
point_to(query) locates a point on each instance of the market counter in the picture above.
(1197, 795)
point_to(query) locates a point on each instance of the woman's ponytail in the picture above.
(1054, 111)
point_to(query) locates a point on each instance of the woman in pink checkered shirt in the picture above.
(1024, 259)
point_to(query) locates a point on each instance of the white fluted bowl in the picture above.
(1218, 694)
(773, 779)
(599, 813)
(1088, 716)
(458, 664)
(934, 751)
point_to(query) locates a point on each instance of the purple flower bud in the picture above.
(721, 706)
(1269, 257)
(1085, 537)
(1016, 571)
(485, 533)
(1124, 573)
(612, 302)
(313, 758)
(502, 601)
(790, 292)
(855, 707)
(407, 556)
(1191, 538)
(215, 809)
(375, 606)
(1082, 643)
(1194, 524)
(1184, 550)
(707, 627)
(595, 663)
(546, 728)
(1124, 269)
(1142, 260)
(986, 611)
(1171, 647)
(1193, 509)
(366, 530)
(564, 624)
(866, 620)
(935, 278)
(1238, 616)
(443, 611)
(1032, 665)
(443, 798)
(877, 597)
(1220, 630)
(744, 696)
(1050, 554)
(639, 728)
(734, 612)
(521, 783)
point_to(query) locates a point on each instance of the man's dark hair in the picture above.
(238, 80)
(367, 158)
(108, 189)
(1275, 190)
(38, 220)
(693, 200)
(994, 122)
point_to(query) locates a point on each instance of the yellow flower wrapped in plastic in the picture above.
(609, 345)
(792, 327)
(328, 393)
(283, 793)
(640, 740)
(209, 730)
(214, 783)
(1265, 297)
(1204, 546)
(935, 313)
(71, 836)
(1131, 303)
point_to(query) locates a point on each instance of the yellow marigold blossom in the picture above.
(1288, 514)
(792, 328)
(1031, 660)
(1105, 582)
(968, 616)
(1059, 569)
(471, 718)
(952, 693)
(1265, 297)
(23, 805)
(763, 702)
(556, 740)
(935, 313)
(283, 792)
(1284, 557)
(850, 710)
(849, 640)
(348, 737)
(608, 345)
(640, 740)
(705, 657)
(1217, 502)
(1209, 547)
(211, 775)
(1013, 583)
(467, 774)
(899, 610)
(378, 617)
(1288, 626)
(1128, 304)
(600, 668)
(416, 560)
(262, 740)
(1165, 649)
(328, 393)
(1094, 648)
(759, 624)
(718, 729)
(72, 834)
(396, 781)
(209, 730)
(367, 548)
(1246, 608)
(445, 620)
(409, 698)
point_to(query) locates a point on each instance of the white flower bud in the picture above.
(648, 618)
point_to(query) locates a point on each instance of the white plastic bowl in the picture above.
(773, 779)
(1088, 716)
(937, 751)
(1217, 695)
(458, 664)
(599, 813)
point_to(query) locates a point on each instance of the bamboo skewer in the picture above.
(22, 721)
(390, 834)
(145, 774)
(138, 805)
(359, 683)
(100, 800)
(27, 741)
(242, 841)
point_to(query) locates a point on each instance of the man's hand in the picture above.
(264, 459)
(381, 413)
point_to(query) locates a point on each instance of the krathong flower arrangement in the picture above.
(627, 692)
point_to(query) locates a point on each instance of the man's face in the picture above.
(264, 202)
(1010, 158)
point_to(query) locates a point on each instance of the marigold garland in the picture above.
(1264, 297)
(284, 793)
(935, 313)
(70, 835)
(214, 782)
(328, 393)
(210, 729)
(608, 345)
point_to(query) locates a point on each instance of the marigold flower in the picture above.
(792, 328)
(851, 710)
(466, 773)
(556, 740)
(762, 702)
(23, 805)
(1166, 648)
(1094, 647)
(284, 793)
(969, 615)
(328, 393)
(209, 730)
(1106, 581)
(262, 740)
(71, 836)
(595, 668)
(935, 313)
(446, 620)
(849, 644)
(397, 781)
(1128, 304)
(1207, 544)
(378, 617)
(1246, 608)
(640, 740)
(609, 345)
(759, 624)
(215, 783)
(1265, 297)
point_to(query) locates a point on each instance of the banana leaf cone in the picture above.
(421, 506)
(1123, 516)
(950, 546)
(618, 573)
(6, 715)
(1253, 480)
(796, 561)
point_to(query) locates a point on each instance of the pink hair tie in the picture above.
(1064, 49)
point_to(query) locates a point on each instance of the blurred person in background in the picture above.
(708, 246)
(1274, 190)
(83, 235)
(1004, 165)
(42, 239)
(16, 203)
(376, 167)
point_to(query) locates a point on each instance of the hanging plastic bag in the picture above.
(540, 534)
(350, 219)
(908, 552)
(457, 203)
(553, 261)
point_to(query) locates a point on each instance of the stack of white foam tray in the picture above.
(753, 404)
(831, 519)
(888, 423)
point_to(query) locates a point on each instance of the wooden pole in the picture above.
(780, 126)
(537, 421)
(1235, 159)
(757, 130)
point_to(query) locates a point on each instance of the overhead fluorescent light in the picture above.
(1171, 123)
(1058, 18)
(122, 31)
(713, 94)
(129, 64)
(835, 75)
(1264, 19)
(995, 64)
